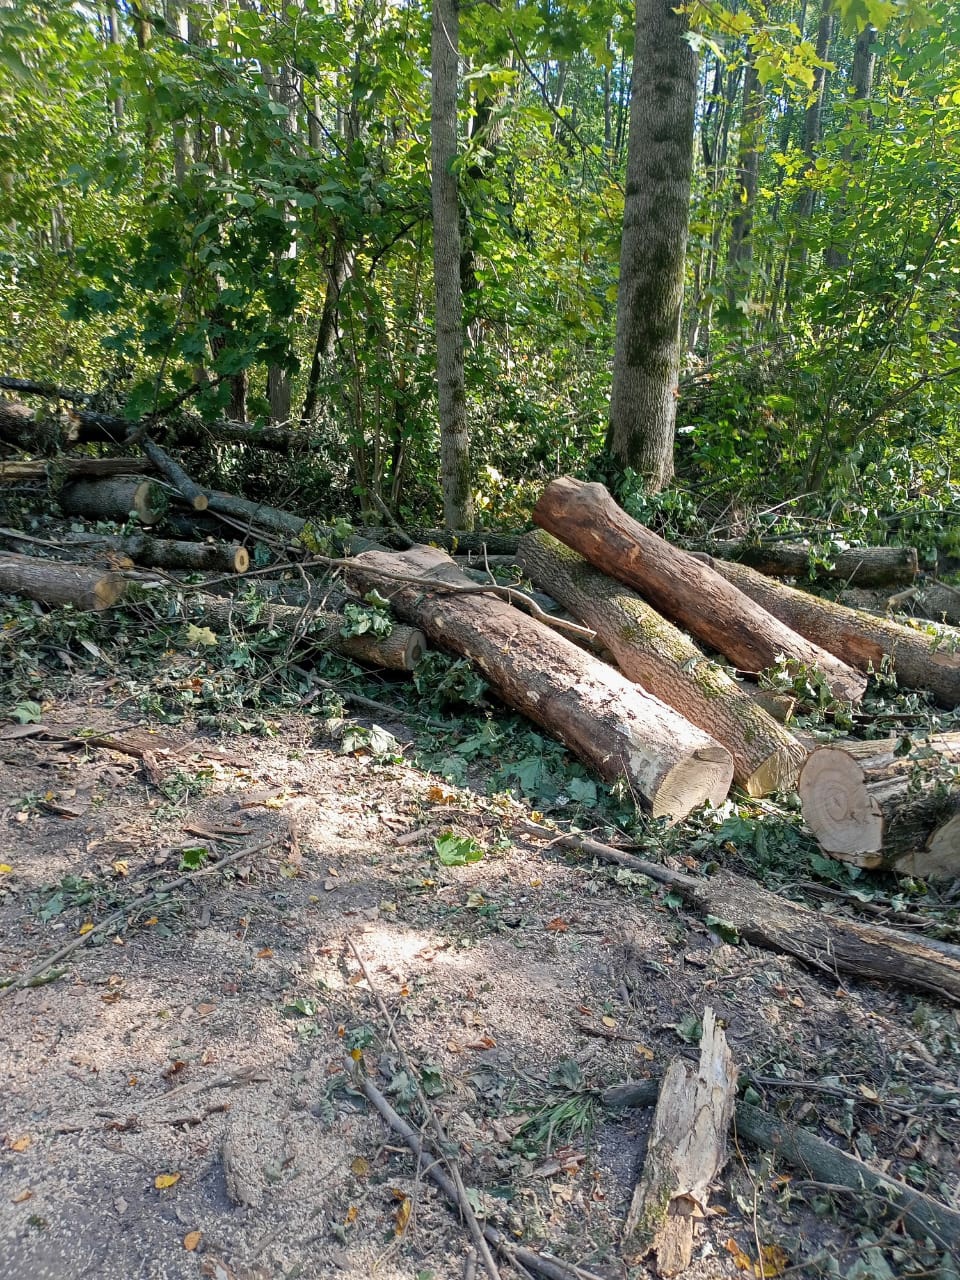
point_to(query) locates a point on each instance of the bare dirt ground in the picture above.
(175, 1103)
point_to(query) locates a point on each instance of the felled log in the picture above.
(935, 600)
(401, 650)
(651, 651)
(855, 566)
(452, 540)
(686, 1149)
(14, 469)
(869, 805)
(826, 943)
(679, 586)
(114, 498)
(859, 638)
(188, 489)
(164, 553)
(56, 583)
(606, 720)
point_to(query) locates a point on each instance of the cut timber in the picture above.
(114, 498)
(188, 489)
(69, 468)
(919, 658)
(456, 541)
(163, 553)
(686, 1150)
(938, 600)
(585, 517)
(867, 804)
(651, 651)
(606, 720)
(854, 566)
(824, 942)
(56, 583)
(401, 650)
(256, 514)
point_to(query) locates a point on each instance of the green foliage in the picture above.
(456, 851)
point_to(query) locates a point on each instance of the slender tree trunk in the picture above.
(454, 430)
(861, 78)
(812, 133)
(740, 252)
(652, 256)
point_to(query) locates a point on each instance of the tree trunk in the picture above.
(162, 553)
(656, 217)
(401, 650)
(655, 654)
(457, 541)
(868, 805)
(454, 429)
(854, 566)
(611, 724)
(864, 64)
(115, 498)
(59, 467)
(740, 251)
(56, 583)
(586, 518)
(858, 637)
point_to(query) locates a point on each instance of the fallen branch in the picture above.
(188, 489)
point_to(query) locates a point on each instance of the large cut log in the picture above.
(401, 650)
(824, 942)
(686, 1149)
(651, 651)
(114, 498)
(56, 583)
(61, 467)
(871, 804)
(854, 566)
(164, 553)
(919, 657)
(606, 720)
(678, 585)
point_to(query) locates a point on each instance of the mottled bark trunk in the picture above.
(454, 430)
(740, 253)
(652, 257)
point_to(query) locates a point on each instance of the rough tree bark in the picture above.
(114, 498)
(454, 429)
(56, 583)
(656, 216)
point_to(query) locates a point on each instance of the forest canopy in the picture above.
(227, 207)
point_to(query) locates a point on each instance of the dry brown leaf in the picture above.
(165, 1180)
(191, 1240)
(21, 1196)
(557, 925)
(404, 1210)
(351, 1214)
(360, 1167)
(20, 1144)
(264, 953)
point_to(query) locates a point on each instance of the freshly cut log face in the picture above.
(921, 660)
(114, 498)
(868, 805)
(603, 717)
(56, 583)
(679, 586)
(651, 651)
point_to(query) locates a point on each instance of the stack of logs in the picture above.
(629, 692)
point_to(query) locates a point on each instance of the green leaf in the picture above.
(457, 851)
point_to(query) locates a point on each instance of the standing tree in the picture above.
(454, 429)
(656, 216)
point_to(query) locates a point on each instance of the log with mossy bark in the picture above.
(55, 583)
(877, 804)
(401, 650)
(665, 661)
(115, 498)
(854, 566)
(611, 724)
(680, 586)
(924, 657)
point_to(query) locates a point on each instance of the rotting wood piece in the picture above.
(765, 919)
(687, 1148)
(870, 804)
(650, 650)
(680, 586)
(854, 566)
(609, 722)
(922, 659)
(401, 650)
(55, 583)
(114, 498)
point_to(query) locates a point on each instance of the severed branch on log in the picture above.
(648, 649)
(853, 566)
(606, 720)
(681, 587)
(922, 659)
(875, 805)
(189, 490)
(687, 1149)
(827, 943)
(55, 583)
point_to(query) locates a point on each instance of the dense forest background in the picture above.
(226, 206)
